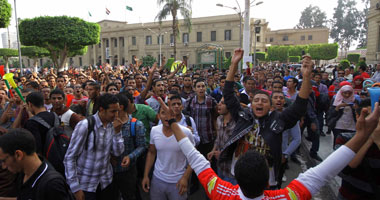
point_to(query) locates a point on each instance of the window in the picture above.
(158, 39)
(199, 36)
(148, 40)
(121, 41)
(133, 40)
(302, 38)
(71, 62)
(171, 38)
(285, 38)
(257, 38)
(228, 54)
(115, 42)
(123, 61)
(185, 38)
(80, 61)
(227, 35)
(100, 44)
(107, 43)
(184, 58)
(172, 56)
(271, 39)
(213, 35)
(310, 37)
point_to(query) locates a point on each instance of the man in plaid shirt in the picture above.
(87, 162)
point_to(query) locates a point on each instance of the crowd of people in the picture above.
(136, 132)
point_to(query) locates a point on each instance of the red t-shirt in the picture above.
(216, 188)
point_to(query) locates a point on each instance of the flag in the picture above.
(129, 8)
(89, 14)
(108, 11)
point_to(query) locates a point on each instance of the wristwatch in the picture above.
(171, 121)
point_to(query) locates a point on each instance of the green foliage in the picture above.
(4, 52)
(5, 13)
(278, 53)
(323, 51)
(344, 64)
(353, 57)
(362, 63)
(363, 33)
(297, 50)
(294, 59)
(62, 36)
(169, 63)
(226, 62)
(312, 17)
(148, 61)
(34, 52)
(261, 56)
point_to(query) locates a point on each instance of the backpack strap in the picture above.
(41, 121)
(90, 128)
(133, 127)
(188, 120)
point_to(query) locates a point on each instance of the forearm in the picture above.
(305, 88)
(360, 155)
(232, 71)
(188, 172)
(149, 163)
(117, 144)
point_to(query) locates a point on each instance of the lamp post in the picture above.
(257, 30)
(18, 42)
(159, 34)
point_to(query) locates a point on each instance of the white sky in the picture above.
(281, 14)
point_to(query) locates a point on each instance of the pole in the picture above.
(160, 48)
(18, 42)
(240, 38)
(254, 52)
(246, 32)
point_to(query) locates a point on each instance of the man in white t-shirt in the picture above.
(171, 171)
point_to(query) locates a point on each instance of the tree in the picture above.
(34, 53)
(62, 36)
(172, 7)
(298, 49)
(344, 64)
(5, 13)
(148, 61)
(6, 54)
(294, 59)
(278, 53)
(345, 23)
(363, 33)
(353, 58)
(312, 17)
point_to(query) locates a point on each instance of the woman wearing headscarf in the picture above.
(358, 82)
(341, 116)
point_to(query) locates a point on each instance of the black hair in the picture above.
(277, 77)
(155, 81)
(222, 77)
(60, 76)
(138, 74)
(363, 67)
(262, 92)
(247, 78)
(93, 84)
(294, 80)
(199, 80)
(106, 100)
(176, 85)
(123, 101)
(110, 85)
(278, 82)
(252, 174)
(275, 92)
(363, 103)
(128, 95)
(175, 96)
(36, 99)
(18, 139)
(78, 109)
(57, 91)
(33, 84)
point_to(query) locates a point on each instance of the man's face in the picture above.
(222, 82)
(289, 84)
(72, 81)
(3, 94)
(118, 83)
(81, 79)
(23, 80)
(92, 92)
(51, 82)
(46, 93)
(44, 84)
(66, 78)
(171, 82)
(111, 113)
(317, 79)
(3, 86)
(138, 79)
(325, 76)
(176, 106)
(130, 90)
(159, 88)
(164, 117)
(113, 90)
(260, 105)
(277, 87)
(340, 73)
(216, 77)
(256, 75)
(61, 83)
(250, 85)
(9, 162)
(175, 88)
(278, 100)
(200, 89)
(57, 100)
(68, 90)
(269, 83)
(78, 89)
(222, 108)
(131, 83)
(187, 82)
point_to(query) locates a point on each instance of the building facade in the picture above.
(9, 38)
(297, 36)
(373, 37)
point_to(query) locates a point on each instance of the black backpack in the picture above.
(56, 143)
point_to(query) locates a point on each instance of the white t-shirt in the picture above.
(171, 164)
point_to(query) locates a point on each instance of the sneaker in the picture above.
(316, 157)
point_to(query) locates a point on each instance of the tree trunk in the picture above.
(35, 64)
(6, 65)
(62, 59)
(174, 14)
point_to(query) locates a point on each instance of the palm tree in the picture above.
(172, 7)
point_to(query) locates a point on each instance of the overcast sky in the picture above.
(281, 14)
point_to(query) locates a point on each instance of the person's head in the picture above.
(123, 102)
(44, 84)
(57, 98)
(252, 174)
(261, 103)
(175, 104)
(277, 86)
(33, 85)
(61, 83)
(118, 83)
(187, 81)
(15, 147)
(216, 77)
(138, 79)
(222, 108)
(78, 90)
(3, 94)
(222, 81)
(200, 87)
(249, 83)
(347, 91)
(131, 82)
(158, 87)
(317, 78)
(268, 83)
(23, 79)
(340, 73)
(171, 82)
(130, 98)
(278, 100)
(93, 90)
(69, 90)
(176, 88)
(362, 68)
(35, 100)
(108, 107)
(325, 76)
(46, 93)
(378, 67)
(112, 89)
(72, 81)
(51, 82)
(81, 79)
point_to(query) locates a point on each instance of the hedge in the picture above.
(344, 64)
(353, 57)
(294, 59)
(278, 53)
(323, 51)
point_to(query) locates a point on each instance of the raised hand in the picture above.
(307, 67)
(238, 55)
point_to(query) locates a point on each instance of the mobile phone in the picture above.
(303, 53)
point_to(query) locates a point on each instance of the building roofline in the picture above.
(297, 30)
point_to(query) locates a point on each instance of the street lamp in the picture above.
(18, 42)
(159, 34)
(257, 30)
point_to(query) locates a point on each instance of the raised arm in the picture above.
(149, 83)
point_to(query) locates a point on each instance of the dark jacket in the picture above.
(333, 116)
(271, 126)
